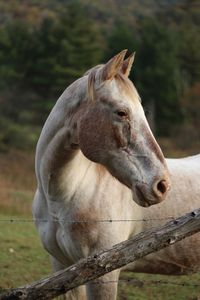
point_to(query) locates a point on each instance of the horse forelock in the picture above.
(126, 85)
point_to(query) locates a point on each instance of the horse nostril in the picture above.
(162, 187)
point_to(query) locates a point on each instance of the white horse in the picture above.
(96, 154)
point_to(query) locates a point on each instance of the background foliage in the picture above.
(44, 46)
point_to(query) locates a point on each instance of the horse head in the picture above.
(113, 131)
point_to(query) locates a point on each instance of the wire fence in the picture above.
(134, 282)
(131, 281)
(32, 220)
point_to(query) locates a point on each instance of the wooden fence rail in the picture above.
(106, 261)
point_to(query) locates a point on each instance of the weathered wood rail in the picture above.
(106, 261)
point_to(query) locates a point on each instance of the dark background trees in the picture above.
(46, 46)
(37, 63)
(156, 73)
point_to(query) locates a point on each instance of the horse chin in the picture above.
(139, 198)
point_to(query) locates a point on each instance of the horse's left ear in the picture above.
(113, 66)
(127, 65)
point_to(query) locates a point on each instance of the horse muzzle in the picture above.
(150, 195)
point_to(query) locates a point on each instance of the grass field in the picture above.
(23, 260)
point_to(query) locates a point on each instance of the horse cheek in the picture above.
(96, 137)
(90, 137)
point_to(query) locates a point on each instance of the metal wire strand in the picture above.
(133, 282)
(84, 221)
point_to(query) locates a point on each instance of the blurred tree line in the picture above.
(38, 61)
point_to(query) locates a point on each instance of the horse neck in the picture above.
(53, 148)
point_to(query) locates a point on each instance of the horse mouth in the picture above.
(141, 199)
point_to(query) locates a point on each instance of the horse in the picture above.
(97, 159)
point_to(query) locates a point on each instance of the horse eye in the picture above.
(122, 113)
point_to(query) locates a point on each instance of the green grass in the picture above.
(171, 289)
(23, 260)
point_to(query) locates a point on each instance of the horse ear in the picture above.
(127, 65)
(113, 66)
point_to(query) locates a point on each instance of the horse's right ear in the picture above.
(113, 66)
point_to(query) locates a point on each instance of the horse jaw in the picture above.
(132, 172)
